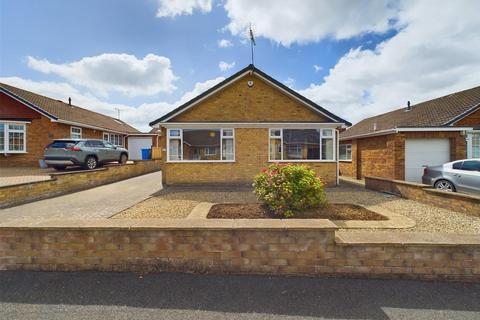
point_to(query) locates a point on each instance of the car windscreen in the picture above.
(62, 144)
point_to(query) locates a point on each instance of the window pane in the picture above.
(476, 145)
(201, 144)
(342, 152)
(2, 137)
(457, 165)
(327, 132)
(301, 144)
(275, 149)
(228, 132)
(227, 149)
(275, 132)
(15, 141)
(471, 165)
(174, 133)
(174, 150)
(327, 149)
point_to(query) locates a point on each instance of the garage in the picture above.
(136, 144)
(424, 152)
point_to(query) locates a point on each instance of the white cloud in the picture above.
(114, 72)
(172, 8)
(224, 66)
(139, 117)
(304, 21)
(289, 82)
(224, 43)
(434, 54)
(317, 68)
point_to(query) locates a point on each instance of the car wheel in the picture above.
(91, 163)
(123, 158)
(59, 167)
(444, 185)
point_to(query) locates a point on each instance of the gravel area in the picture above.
(178, 202)
(428, 218)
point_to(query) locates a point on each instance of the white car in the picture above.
(460, 175)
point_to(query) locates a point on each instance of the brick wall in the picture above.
(40, 132)
(472, 120)
(269, 247)
(468, 204)
(384, 156)
(61, 183)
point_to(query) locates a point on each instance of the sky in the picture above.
(143, 58)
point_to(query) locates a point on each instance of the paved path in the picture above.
(41, 295)
(99, 202)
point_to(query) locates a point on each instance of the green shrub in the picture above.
(286, 189)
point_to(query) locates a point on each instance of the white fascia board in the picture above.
(283, 125)
(371, 134)
(434, 129)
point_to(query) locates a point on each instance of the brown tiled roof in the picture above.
(438, 112)
(63, 111)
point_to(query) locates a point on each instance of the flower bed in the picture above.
(334, 211)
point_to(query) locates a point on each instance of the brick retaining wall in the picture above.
(66, 182)
(424, 193)
(293, 247)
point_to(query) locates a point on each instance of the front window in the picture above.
(201, 145)
(301, 144)
(75, 133)
(12, 137)
(345, 152)
(113, 138)
(475, 145)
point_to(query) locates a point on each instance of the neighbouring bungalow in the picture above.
(233, 130)
(29, 122)
(399, 144)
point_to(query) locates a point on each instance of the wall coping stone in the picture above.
(171, 224)
(453, 194)
(408, 183)
(363, 238)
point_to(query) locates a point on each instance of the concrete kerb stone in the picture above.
(200, 211)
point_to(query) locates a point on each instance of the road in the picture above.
(89, 295)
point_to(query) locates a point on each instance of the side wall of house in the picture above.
(471, 120)
(384, 156)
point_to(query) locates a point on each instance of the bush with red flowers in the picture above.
(286, 189)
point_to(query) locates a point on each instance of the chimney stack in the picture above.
(409, 107)
(69, 101)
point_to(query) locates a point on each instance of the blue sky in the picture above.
(361, 49)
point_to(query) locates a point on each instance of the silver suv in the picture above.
(89, 153)
(461, 175)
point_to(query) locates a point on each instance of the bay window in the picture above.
(201, 145)
(301, 144)
(12, 137)
(345, 152)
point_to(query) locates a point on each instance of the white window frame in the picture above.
(347, 146)
(470, 143)
(6, 133)
(75, 133)
(111, 137)
(333, 137)
(180, 137)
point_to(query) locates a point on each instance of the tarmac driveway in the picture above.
(95, 203)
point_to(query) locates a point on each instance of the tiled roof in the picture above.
(438, 112)
(63, 111)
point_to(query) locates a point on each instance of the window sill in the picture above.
(12, 152)
(201, 161)
(299, 161)
(345, 160)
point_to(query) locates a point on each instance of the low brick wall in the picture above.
(424, 193)
(292, 247)
(66, 182)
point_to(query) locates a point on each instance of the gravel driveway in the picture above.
(177, 202)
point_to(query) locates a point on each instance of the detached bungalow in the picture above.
(233, 130)
(29, 122)
(398, 144)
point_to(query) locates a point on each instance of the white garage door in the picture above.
(135, 146)
(424, 152)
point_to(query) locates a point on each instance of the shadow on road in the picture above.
(287, 296)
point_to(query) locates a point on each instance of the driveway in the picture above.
(88, 295)
(99, 202)
(12, 176)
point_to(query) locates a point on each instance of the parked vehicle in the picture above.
(89, 153)
(461, 175)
